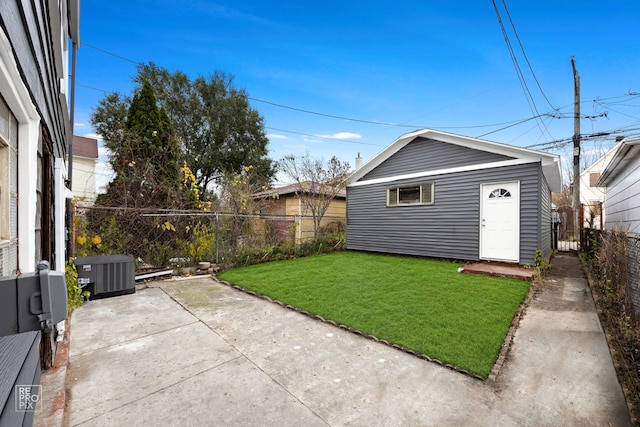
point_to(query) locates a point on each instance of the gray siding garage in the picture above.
(428, 193)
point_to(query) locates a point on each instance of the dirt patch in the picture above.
(563, 286)
(195, 293)
(563, 294)
(565, 265)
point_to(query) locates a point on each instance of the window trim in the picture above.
(5, 182)
(422, 185)
(18, 98)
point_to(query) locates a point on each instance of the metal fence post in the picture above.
(216, 237)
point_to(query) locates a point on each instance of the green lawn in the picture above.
(421, 304)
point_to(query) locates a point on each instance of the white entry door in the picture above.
(500, 221)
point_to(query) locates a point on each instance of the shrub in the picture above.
(75, 295)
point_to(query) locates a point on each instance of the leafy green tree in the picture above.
(169, 144)
(145, 155)
(146, 160)
(109, 117)
(219, 132)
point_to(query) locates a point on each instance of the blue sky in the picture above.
(438, 64)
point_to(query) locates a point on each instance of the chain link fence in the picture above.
(161, 238)
(616, 257)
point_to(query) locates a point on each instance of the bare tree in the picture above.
(318, 182)
(236, 197)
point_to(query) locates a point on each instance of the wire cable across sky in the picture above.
(555, 113)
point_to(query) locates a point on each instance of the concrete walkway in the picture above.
(195, 353)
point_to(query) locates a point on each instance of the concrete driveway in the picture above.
(195, 352)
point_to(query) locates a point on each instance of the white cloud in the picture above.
(276, 136)
(92, 135)
(294, 146)
(316, 141)
(103, 168)
(104, 174)
(598, 152)
(341, 135)
(102, 151)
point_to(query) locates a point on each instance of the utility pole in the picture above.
(576, 152)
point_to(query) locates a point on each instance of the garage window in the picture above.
(415, 194)
(500, 193)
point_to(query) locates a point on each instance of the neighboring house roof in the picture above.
(295, 188)
(550, 162)
(85, 147)
(599, 164)
(622, 154)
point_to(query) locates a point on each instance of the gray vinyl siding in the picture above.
(427, 154)
(545, 217)
(34, 32)
(450, 228)
(26, 25)
(622, 203)
(19, 365)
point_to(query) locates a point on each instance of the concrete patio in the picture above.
(197, 352)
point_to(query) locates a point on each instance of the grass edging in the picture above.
(508, 339)
(502, 355)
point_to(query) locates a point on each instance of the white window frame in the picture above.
(4, 191)
(18, 98)
(426, 194)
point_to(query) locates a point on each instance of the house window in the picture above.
(8, 174)
(5, 169)
(4, 190)
(500, 193)
(417, 194)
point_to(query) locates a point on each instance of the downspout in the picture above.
(60, 196)
(72, 102)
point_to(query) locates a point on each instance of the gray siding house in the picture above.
(35, 128)
(442, 195)
(621, 182)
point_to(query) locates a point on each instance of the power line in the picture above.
(626, 131)
(511, 125)
(525, 55)
(333, 116)
(328, 115)
(621, 113)
(516, 65)
(555, 114)
(373, 122)
(106, 92)
(112, 54)
(323, 137)
(523, 83)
